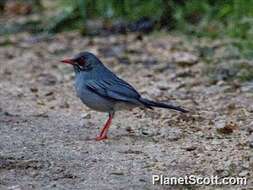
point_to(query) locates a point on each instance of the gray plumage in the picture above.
(101, 90)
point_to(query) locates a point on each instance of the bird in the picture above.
(102, 90)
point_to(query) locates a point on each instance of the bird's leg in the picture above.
(104, 131)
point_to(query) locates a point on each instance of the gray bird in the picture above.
(100, 89)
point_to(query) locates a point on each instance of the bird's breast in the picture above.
(91, 99)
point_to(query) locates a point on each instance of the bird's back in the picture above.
(101, 82)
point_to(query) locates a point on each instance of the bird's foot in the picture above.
(100, 138)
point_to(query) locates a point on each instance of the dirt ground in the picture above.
(47, 135)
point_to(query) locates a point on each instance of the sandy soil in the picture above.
(47, 135)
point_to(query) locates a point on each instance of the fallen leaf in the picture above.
(226, 127)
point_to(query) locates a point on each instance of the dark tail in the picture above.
(150, 104)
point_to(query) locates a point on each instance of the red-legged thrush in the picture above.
(100, 89)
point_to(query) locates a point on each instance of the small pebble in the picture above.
(243, 173)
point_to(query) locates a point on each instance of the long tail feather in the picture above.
(150, 103)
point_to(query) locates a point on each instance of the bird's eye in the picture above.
(81, 61)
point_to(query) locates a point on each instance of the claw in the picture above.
(100, 138)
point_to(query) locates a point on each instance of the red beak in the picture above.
(68, 61)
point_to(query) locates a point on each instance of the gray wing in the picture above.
(115, 89)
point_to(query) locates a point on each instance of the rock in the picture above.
(246, 165)
(47, 79)
(117, 173)
(216, 142)
(34, 89)
(171, 134)
(221, 169)
(86, 116)
(41, 102)
(251, 144)
(142, 180)
(250, 128)
(151, 90)
(162, 85)
(250, 139)
(243, 173)
(149, 131)
(247, 87)
(64, 105)
(49, 93)
(190, 148)
(184, 58)
(57, 47)
(42, 114)
(129, 130)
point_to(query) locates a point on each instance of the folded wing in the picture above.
(118, 90)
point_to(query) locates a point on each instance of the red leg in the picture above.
(104, 131)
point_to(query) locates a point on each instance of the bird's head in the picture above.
(83, 61)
